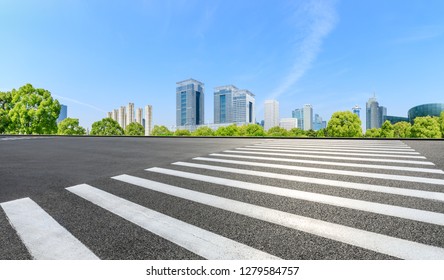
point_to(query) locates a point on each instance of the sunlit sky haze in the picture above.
(95, 56)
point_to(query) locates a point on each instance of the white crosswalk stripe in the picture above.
(42, 235)
(376, 242)
(391, 183)
(197, 240)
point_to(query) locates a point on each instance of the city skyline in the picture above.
(330, 54)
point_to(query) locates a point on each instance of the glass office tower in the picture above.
(189, 103)
(232, 105)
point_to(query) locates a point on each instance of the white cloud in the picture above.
(79, 102)
(313, 21)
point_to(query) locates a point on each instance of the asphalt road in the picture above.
(209, 198)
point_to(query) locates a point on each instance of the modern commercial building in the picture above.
(319, 123)
(189, 103)
(232, 105)
(374, 113)
(271, 114)
(308, 117)
(63, 113)
(395, 119)
(432, 109)
(148, 120)
(288, 123)
(299, 115)
(357, 110)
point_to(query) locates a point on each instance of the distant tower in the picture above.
(63, 113)
(115, 115)
(271, 114)
(357, 110)
(374, 113)
(122, 117)
(139, 115)
(308, 117)
(190, 103)
(148, 119)
(130, 113)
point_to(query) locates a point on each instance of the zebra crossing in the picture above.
(363, 199)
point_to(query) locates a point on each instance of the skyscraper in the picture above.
(139, 115)
(189, 103)
(63, 113)
(130, 113)
(357, 110)
(308, 117)
(374, 113)
(299, 114)
(318, 123)
(122, 117)
(148, 119)
(232, 105)
(271, 114)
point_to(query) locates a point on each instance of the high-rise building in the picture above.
(122, 117)
(109, 115)
(232, 105)
(115, 115)
(271, 114)
(139, 115)
(299, 115)
(130, 113)
(319, 123)
(189, 103)
(63, 113)
(357, 110)
(374, 114)
(148, 119)
(308, 117)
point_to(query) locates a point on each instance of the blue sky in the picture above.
(95, 56)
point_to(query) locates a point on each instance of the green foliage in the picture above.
(182, 132)
(387, 130)
(321, 133)
(135, 129)
(402, 130)
(28, 111)
(373, 133)
(231, 130)
(106, 127)
(161, 130)
(70, 126)
(344, 124)
(426, 127)
(311, 133)
(277, 131)
(251, 130)
(441, 123)
(203, 131)
(297, 132)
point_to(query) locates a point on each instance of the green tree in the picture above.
(297, 132)
(203, 131)
(70, 126)
(182, 132)
(106, 127)
(426, 127)
(344, 124)
(387, 130)
(373, 133)
(311, 133)
(441, 122)
(251, 130)
(231, 130)
(161, 130)
(5, 106)
(321, 133)
(277, 131)
(28, 111)
(402, 130)
(135, 129)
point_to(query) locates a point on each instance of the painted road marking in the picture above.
(325, 182)
(378, 208)
(392, 246)
(422, 180)
(44, 238)
(199, 241)
(333, 149)
(356, 165)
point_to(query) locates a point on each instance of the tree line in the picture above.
(33, 111)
